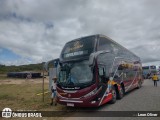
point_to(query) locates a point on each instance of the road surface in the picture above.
(147, 98)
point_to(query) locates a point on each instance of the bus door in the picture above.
(103, 80)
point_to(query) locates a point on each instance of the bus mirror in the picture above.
(94, 56)
(91, 59)
(60, 64)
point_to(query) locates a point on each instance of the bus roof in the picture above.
(100, 35)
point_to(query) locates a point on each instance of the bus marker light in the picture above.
(93, 102)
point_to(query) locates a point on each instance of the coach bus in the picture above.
(148, 71)
(94, 70)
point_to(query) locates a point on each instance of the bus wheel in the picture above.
(113, 100)
(120, 93)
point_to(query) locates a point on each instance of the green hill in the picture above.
(31, 67)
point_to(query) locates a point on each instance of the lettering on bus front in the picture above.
(78, 48)
(75, 54)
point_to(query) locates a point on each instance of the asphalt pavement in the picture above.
(147, 98)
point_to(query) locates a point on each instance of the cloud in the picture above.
(148, 52)
(38, 29)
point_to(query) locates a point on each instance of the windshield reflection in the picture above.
(77, 73)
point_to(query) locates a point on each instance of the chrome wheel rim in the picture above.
(114, 94)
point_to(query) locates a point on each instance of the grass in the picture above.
(24, 97)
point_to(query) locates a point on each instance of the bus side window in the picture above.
(120, 67)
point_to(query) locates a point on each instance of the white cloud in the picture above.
(38, 29)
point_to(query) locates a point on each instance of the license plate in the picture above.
(70, 104)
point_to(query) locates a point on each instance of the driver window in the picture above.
(101, 72)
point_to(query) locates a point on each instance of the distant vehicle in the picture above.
(159, 68)
(24, 74)
(94, 70)
(148, 71)
(158, 72)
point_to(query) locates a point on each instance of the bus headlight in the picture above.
(91, 93)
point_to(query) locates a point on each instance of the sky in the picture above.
(35, 31)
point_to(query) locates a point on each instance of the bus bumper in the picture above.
(78, 103)
(89, 102)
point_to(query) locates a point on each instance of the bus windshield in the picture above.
(75, 74)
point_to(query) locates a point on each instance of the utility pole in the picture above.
(43, 82)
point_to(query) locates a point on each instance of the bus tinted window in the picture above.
(145, 67)
(153, 67)
(78, 48)
(105, 44)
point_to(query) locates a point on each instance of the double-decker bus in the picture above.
(148, 71)
(158, 68)
(94, 70)
(153, 69)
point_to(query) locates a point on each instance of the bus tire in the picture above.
(120, 93)
(114, 96)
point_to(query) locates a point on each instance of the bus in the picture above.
(148, 71)
(94, 70)
(158, 68)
